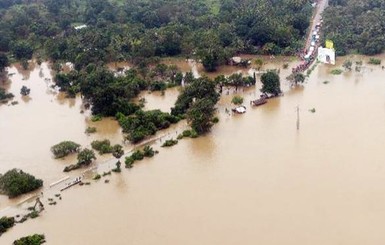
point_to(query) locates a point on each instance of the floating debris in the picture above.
(312, 110)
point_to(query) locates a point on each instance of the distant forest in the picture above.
(356, 26)
(139, 30)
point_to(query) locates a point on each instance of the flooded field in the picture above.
(254, 180)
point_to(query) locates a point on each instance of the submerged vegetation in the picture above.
(374, 61)
(6, 223)
(237, 100)
(64, 148)
(16, 182)
(85, 158)
(139, 155)
(145, 123)
(189, 133)
(35, 239)
(102, 146)
(169, 143)
(90, 130)
(4, 96)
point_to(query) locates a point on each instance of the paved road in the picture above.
(321, 5)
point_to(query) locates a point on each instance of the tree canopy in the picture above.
(35, 239)
(356, 26)
(198, 89)
(64, 148)
(6, 223)
(138, 30)
(16, 182)
(200, 115)
(271, 83)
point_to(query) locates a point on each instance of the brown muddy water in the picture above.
(254, 179)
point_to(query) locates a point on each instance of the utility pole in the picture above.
(297, 117)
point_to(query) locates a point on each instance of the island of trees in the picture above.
(16, 182)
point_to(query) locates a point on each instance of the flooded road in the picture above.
(254, 180)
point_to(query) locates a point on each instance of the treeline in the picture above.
(140, 30)
(356, 26)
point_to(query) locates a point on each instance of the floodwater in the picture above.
(255, 179)
(40, 120)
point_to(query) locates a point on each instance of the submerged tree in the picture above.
(6, 223)
(64, 148)
(16, 182)
(237, 100)
(85, 157)
(35, 239)
(24, 91)
(117, 151)
(198, 89)
(201, 114)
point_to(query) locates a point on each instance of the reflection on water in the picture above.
(254, 179)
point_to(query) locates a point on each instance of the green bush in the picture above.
(148, 151)
(35, 239)
(106, 173)
(117, 168)
(102, 146)
(194, 134)
(6, 223)
(90, 130)
(169, 143)
(15, 182)
(129, 162)
(96, 177)
(34, 214)
(64, 149)
(186, 133)
(137, 155)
